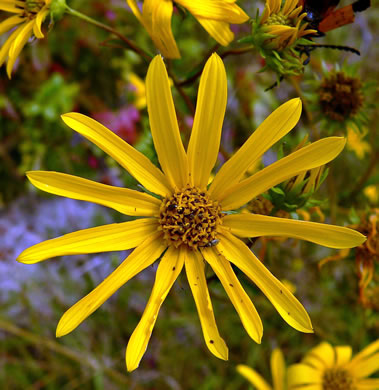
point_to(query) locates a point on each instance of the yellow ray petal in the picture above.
(131, 159)
(366, 367)
(308, 157)
(161, 28)
(215, 10)
(4, 51)
(219, 31)
(107, 238)
(278, 369)
(325, 353)
(143, 256)
(9, 23)
(253, 377)
(164, 125)
(343, 354)
(196, 278)
(124, 200)
(284, 301)
(368, 384)
(11, 6)
(38, 22)
(134, 7)
(254, 225)
(168, 270)
(17, 45)
(274, 127)
(366, 353)
(206, 132)
(241, 301)
(301, 374)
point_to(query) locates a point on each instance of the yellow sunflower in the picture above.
(214, 15)
(278, 372)
(284, 22)
(187, 222)
(332, 368)
(29, 15)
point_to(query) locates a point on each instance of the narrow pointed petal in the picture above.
(38, 22)
(164, 125)
(9, 23)
(215, 10)
(273, 128)
(124, 200)
(136, 11)
(219, 31)
(18, 44)
(107, 238)
(128, 157)
(143, 256)
(253, 377)
(196, 278)
(168, 270)
(206, 132)
(278, 369)
(4, 51)
(241, 301)
(302, 374)
(308, 157)
(161, 29)
(291, 310)
(255, 225)
(11, 6)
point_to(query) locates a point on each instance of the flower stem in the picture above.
(105, 27)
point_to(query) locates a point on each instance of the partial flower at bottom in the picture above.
(332, 368)
(278, 372)
(28, 16)
(187, 224)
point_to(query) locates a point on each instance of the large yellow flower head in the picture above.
(332, 368)
(29, 15)
(278, 372)
(188, 223)
(214, 15)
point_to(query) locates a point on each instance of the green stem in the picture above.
(105, 27)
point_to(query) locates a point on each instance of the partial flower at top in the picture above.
(188, 223)
(277, 32)
(332, 368)
(278, 372)
(29, 16)
(214, 15)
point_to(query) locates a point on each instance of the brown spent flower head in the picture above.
(340, 96)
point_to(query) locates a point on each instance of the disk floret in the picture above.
(337, 379)
(189, 217)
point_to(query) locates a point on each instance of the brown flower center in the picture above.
(189, 217)
(337, 379)
(341, 96)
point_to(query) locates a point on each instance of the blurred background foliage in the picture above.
(79, 67)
